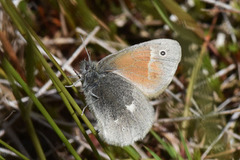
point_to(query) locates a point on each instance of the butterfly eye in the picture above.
(162, 53)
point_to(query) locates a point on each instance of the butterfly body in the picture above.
(118, 88)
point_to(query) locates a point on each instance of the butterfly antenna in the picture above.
(89, 57)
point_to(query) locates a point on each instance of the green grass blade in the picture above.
(13, 150)
(162, 11)
(25, 32)
(1, 158)
(25, 113)
(171, 151)
(185, 146)
(184, 18)
(181, 30)
(40, 107)
(132, 152)
(76, 119)
(155, 156)
(190, 87)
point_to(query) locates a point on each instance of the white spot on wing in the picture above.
(152, 57)
(131, 107)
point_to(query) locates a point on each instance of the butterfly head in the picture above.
(89, 74)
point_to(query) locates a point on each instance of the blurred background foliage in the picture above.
(196, 118)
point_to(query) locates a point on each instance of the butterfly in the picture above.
(118, 88)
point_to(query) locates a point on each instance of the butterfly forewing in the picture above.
(150, 66)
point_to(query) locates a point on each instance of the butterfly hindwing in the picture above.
(123, 113)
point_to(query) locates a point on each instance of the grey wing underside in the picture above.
(123, 113)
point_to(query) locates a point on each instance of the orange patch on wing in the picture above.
(136, 67)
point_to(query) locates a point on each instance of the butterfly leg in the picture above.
(93, 95)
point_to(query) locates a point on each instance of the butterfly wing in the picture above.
(123, 113)
(150, 65)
